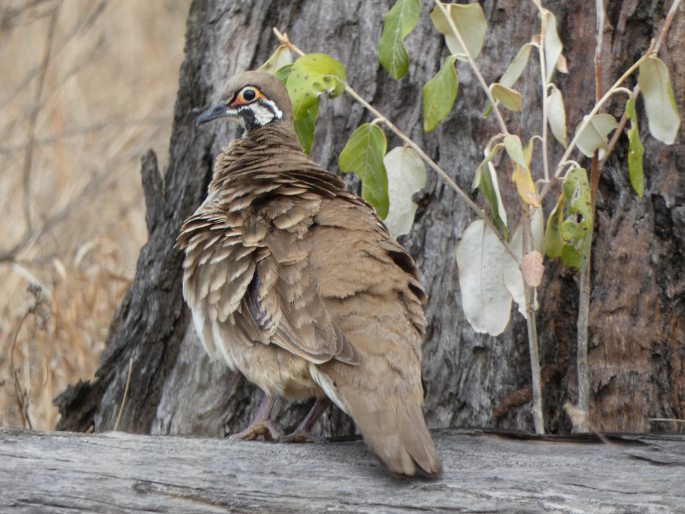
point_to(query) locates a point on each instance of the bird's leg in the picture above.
(261, 424)
(302, 433)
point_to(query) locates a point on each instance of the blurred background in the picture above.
(86, 87)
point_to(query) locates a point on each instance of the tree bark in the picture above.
(637, 317)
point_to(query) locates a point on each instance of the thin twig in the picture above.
(585, 286)
(533, 342)
(33, 115)
(672, 420)
(20, 394)
(666, 25)
(86, 129)
(83, 23)
(125, 397)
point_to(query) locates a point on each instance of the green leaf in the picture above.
(280, 58)
(569, 228)
(283, 73)
(489, 188)
(469, 20)
(439, 94)
(397, 25)
(406, 175)
(660, 106)
(553, 243)
(556, 115)
(509, 98)
(594, 134)
(636, 151)
(363, 155)
(310, 76)
(305, 126)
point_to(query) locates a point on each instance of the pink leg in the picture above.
(262, 424)
(302, 433)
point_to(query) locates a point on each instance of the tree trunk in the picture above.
(637, 319)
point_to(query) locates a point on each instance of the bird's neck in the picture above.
(273, 148)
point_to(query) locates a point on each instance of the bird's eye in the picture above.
(249, 94)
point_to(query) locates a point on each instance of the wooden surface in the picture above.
(120, 472)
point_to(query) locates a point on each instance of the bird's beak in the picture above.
(218, 111)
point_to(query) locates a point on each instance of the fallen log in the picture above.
(121, 472)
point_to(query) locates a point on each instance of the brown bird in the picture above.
(296, 282)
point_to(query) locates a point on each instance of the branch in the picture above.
(33, 115)
(283, 38)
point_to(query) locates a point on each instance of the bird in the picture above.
(295, 282)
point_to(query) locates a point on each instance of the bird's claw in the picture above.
(266, 429)
(301, 436)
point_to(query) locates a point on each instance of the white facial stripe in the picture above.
(275, 110)
(262, 114)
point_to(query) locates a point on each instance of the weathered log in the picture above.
(637, 327)
(484, 472)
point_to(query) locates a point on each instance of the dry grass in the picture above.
(86, 87)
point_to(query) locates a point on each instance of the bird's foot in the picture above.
(301, 436)
(266, 429)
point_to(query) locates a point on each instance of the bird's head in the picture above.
(254, 98)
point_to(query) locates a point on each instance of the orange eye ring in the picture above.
(246, 96)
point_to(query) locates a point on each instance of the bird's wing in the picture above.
(217, 271)
(282, 304)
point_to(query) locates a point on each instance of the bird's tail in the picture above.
(394, 428)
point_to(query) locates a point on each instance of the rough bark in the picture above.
(637, 325)
(118, 472)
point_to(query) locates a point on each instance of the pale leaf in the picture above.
(594, 135)
(509, 98)
(513, 280)
(481, 260)
(281, 57)
(660, 106)
(406, 175)
(516, 67)
(556, 115)
(533, 268)
(469, 20)
(553, 45)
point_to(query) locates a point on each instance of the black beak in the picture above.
(217, 111)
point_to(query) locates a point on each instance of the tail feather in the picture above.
(395, 430)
